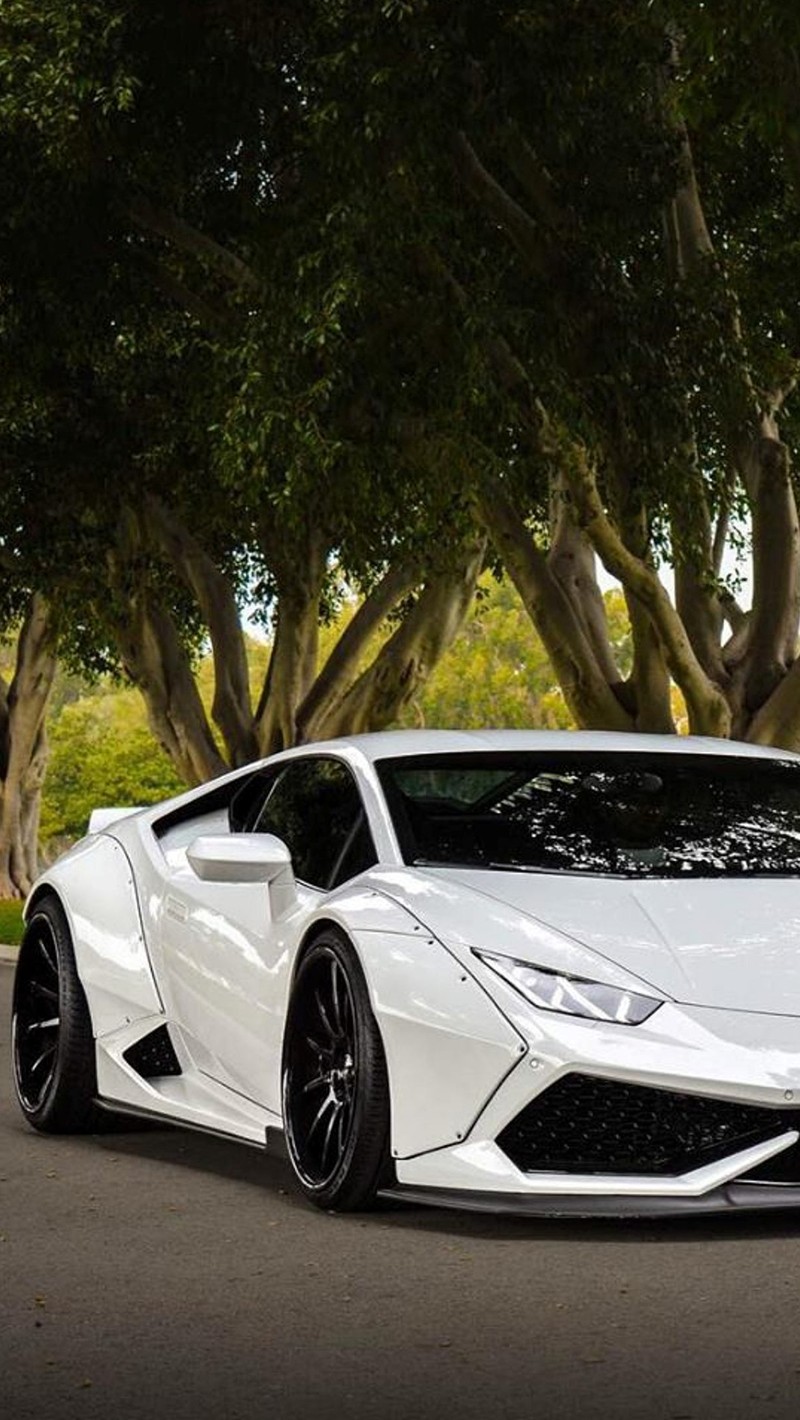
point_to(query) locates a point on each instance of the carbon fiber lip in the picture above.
(731, 1196)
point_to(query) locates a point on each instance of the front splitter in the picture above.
(742, 1196)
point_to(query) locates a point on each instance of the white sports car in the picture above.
(528, 972)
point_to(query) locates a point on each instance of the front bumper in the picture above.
(740, 1058)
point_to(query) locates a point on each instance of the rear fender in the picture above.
(94, 884)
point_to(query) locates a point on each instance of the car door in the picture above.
(228, 961)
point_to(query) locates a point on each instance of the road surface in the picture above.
(163, 1274)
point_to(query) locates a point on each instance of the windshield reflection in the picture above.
(637, 815)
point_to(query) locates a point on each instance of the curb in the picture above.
(8, 954)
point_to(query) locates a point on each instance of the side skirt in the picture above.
(273, 1138)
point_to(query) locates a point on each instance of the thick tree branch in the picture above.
(231, 709)
(156, 661)
(514, 220)
(571, 559)
(533, 176)
(213, 316)
(343, 659)
(708, 710)
(298, 563)
(650, 680)
(27, 702)
(188, 239)
(777, 722)
(590, 698)
(776, 564)
(695, 594)
(406, 660)
(155, 658)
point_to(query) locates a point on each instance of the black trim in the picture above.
(175, 1121)
(732, 1196)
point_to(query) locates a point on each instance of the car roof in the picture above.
(391, 744)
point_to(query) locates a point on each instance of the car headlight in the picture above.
(571, 995)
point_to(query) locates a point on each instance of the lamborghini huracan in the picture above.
(529, 972)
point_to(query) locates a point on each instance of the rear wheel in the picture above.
(335, 1084)
(51, 1031)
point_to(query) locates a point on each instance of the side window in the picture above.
(315, 807)
(247, 804)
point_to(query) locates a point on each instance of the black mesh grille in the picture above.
(587, 1125)
(153, 1055)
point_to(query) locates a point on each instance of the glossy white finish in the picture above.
(465, 917)
(733, 943)
(239, 857)
(226, 963)
(100, 819)
(465, 1051)
(95, 885)
(446, 1043)
(191, 1097)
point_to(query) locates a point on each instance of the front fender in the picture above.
(448, 1046)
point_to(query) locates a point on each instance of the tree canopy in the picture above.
(330, 297)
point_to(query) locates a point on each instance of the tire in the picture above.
(52, 1044)
(335, 1083)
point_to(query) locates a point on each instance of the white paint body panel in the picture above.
(732, 943)
(101, 819)
(465, 1051)
(95, 883)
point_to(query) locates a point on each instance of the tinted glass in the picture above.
(246, 806)
(636, 815)
(315, 807)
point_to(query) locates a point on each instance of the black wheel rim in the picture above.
(321, 1071)
(36, 1019)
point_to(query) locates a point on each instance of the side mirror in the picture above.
(239, 858)
(247, 858)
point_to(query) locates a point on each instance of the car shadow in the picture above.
(271, 1173)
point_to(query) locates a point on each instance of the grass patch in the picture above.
(11, 923)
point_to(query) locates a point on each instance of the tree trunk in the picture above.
(24, 749)
(299, 566)
(406, 660)
(231, 710)
(342, 663)
(157, 662)
(591, 700)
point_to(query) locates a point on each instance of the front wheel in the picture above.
(51, 1031)
(335, 1084)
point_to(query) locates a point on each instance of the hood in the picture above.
(732, 943)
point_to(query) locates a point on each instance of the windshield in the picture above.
(637, 815)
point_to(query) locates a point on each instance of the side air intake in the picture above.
(153, 1055)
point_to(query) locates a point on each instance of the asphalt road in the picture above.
(163, 1274)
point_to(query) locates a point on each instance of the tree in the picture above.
(498, 674)
(227, 372)
(420, 263)
(615, 224)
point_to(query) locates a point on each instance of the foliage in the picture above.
(313, 288)
(102, 753)
(11, 923)
(495, 674)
